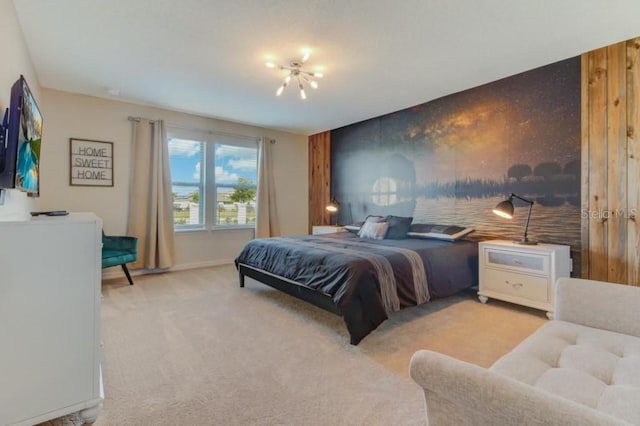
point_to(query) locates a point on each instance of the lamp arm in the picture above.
(522, 199)
(526, 225)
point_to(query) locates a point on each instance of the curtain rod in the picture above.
(193, 129)
(139, 119)
(213, 132)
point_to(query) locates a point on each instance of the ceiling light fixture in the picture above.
(296, 72)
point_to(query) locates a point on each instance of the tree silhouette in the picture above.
(244, 192)
(547, 170)
(518, 171)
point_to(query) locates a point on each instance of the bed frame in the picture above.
(290, 287)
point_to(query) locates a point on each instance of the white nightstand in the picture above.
(326, 229)
(522, 274)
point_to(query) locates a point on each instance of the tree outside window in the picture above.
(208, 172)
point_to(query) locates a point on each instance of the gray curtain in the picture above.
(267, 215)
(150, 197)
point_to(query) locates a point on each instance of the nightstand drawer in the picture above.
(527, 262)
(326, 229)
(519, 285)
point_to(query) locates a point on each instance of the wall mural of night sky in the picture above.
(451, 160)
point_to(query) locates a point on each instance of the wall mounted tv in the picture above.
(20, 139)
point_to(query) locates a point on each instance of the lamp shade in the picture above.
(504, 209)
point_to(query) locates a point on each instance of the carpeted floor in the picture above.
(192, 348)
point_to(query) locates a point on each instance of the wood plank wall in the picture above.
(633, 165)
(319, 178)
(610, 163)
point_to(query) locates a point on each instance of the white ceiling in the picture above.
(207, 56)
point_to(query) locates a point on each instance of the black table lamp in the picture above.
(505, 209)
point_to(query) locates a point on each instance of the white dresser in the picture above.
(522, 274)
(50, 356)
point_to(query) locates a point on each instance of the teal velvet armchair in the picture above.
(118, 250)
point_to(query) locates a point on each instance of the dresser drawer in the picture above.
(525, 262)
(519, 285)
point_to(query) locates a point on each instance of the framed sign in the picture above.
(91, 163)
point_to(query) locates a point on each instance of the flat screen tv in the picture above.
(20, 159)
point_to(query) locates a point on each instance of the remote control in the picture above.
(51, 213)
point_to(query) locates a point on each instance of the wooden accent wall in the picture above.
(611, 163)
(319, 178)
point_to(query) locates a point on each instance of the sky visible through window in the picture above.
(231, 163)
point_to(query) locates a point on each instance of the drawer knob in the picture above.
(514, 285)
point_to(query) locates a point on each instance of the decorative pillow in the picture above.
(354, 227)
(441, 232)
(375, 219)
(398, 227)
(373, 230)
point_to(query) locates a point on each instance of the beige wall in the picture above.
(15, 60)
(68, 115)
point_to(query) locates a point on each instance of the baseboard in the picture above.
(117, 272)
(205, 264)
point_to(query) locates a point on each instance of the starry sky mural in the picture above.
(462, 152)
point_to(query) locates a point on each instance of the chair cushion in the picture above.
(597, 368)
(115, 257)
(119, 243)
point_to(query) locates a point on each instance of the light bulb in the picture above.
(287, 79)
(316, 74)
(270, 65)
(305, 54)
(280, 89)
(302, 94)
(502, 214)
(313, 84)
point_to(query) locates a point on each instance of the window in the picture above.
(213, 179)
(235, 178)
(185, 159)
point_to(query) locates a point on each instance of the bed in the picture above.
(363, 280)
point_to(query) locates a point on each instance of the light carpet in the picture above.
(192, 348)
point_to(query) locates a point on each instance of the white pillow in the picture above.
(353, 228)
(373, 230)
(440, 232)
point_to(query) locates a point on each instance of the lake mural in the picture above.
(451, 160)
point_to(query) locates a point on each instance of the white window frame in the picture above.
(208, 191)
(200, 185)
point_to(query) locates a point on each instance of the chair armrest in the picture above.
(118, 243)
(460, 393)
(598, 304)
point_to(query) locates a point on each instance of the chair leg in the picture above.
(126, 272)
